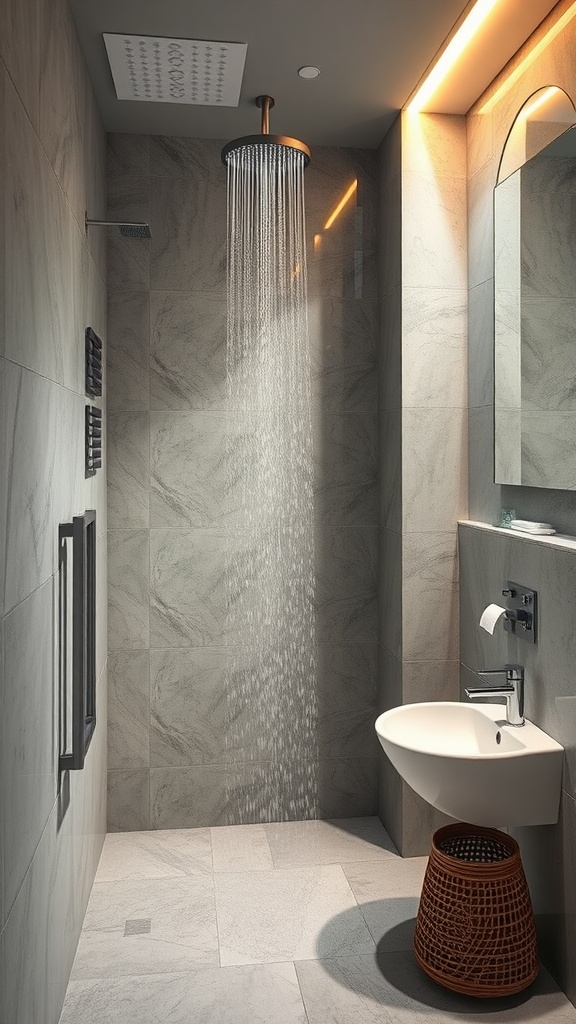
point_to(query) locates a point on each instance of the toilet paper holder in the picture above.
(520, 618)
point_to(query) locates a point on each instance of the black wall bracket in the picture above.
(77, 722)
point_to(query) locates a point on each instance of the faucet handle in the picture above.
(513, 673)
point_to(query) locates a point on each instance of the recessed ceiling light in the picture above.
(308, 71)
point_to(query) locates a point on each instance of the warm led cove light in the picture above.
(531, 56)
(338, 209)
(454, 50)
(531, 108)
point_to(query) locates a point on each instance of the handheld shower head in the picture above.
(135, 231)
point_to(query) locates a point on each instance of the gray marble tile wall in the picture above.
(488, 123)
(487, 560)
(52, 285)
(171, 503)
(423, 465)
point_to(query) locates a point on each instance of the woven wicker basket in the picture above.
(475, 930)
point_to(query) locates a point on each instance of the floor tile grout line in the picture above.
(301, 992)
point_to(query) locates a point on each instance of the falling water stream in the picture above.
(270, 569)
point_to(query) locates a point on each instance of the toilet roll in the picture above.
(490, 617)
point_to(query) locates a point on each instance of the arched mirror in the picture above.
(535, 297)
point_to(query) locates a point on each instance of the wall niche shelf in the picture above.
(557, 540)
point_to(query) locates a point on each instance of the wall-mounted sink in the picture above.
(464, 760)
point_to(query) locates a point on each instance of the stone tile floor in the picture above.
(294, 923)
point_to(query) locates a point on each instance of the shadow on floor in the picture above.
(394, 978)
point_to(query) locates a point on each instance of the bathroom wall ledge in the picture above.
(557, 540)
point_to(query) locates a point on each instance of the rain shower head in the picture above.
(128, 229)
(265, 139)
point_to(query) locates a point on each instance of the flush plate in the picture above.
(160, 70)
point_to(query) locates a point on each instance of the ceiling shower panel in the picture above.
(204, 72)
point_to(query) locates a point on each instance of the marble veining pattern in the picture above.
(128, 351)
(187, 587)
(190, 469)
(128, 467)
(128, 709)
(326, 941)
(187, 351)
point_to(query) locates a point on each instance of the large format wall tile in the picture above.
(191, 797)
(481, 345)
(430, 680)
(41, 484)
(430, 597)
(128, 196)
(390, 351)
(40, 934)
(29, 741)
(128, 261)
(345, 462)
(390, 591)
(128, 610)
(433, 232)
(343, 355)
(3, 482)
(390, 469)
(189, 710)
(346, 570)
(64, 98)
(187, 588)
(127, 154)
(484, 496)
(188, 224)
(188, 351)
(128, 709)
(434, 328)
(128, 464)
(199, 159)
(129, 800)
(128, 350)
(38, 944)
(20, 51)
(190, 469)
(480, 224)
(347, 699)
(38, 307)
(434, 469)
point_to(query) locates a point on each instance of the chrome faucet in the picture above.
(513, 691)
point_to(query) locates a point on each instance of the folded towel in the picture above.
(534, 532)
(529, 525)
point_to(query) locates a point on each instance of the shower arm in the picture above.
(114, 223)
(265, 103)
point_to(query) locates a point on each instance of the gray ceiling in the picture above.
(371, 54)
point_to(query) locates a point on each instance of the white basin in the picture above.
(464, 760)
